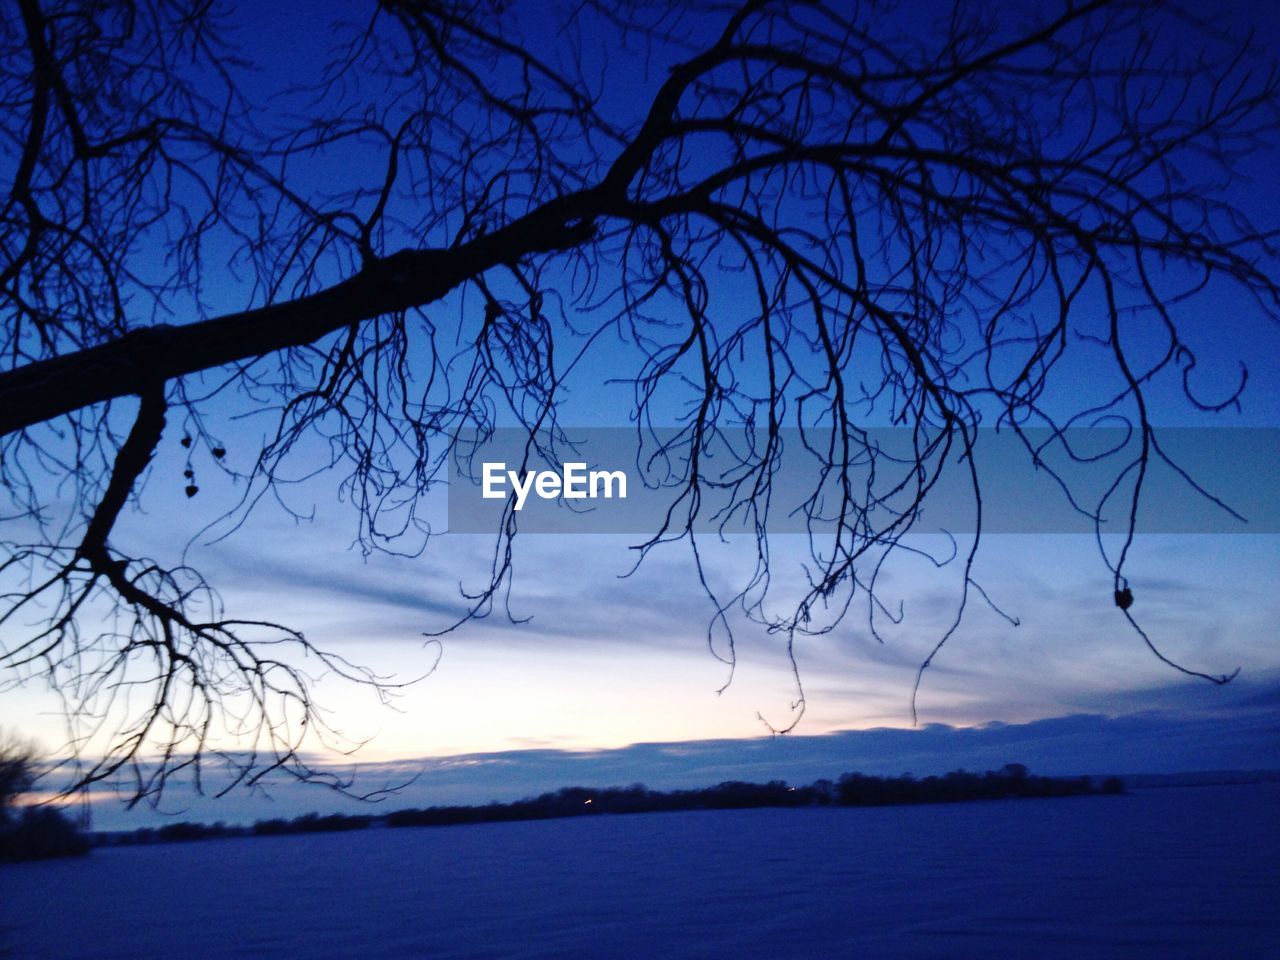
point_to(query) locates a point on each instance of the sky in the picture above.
(610, 676)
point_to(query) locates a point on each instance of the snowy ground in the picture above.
(1192, 872)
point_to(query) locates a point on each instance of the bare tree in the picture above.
(17, 772)
(818, 215)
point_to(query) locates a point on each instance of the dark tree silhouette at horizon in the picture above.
(813, 216)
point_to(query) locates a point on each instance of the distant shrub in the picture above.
(183, 831)
(38, 833)
(1012, 780)
(312, 823)
(30, 833)
(272, 827)
(17, 773)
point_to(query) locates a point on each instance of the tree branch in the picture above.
(129, 364)
(132, 459)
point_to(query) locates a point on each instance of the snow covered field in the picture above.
(1189, 872)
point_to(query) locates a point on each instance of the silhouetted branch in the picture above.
(820, 217)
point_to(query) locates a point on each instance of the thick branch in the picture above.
(132, 459)
(131, 363)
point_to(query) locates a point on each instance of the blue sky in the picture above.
(607, 660)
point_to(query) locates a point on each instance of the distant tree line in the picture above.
(850, 790)
(186, 830)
